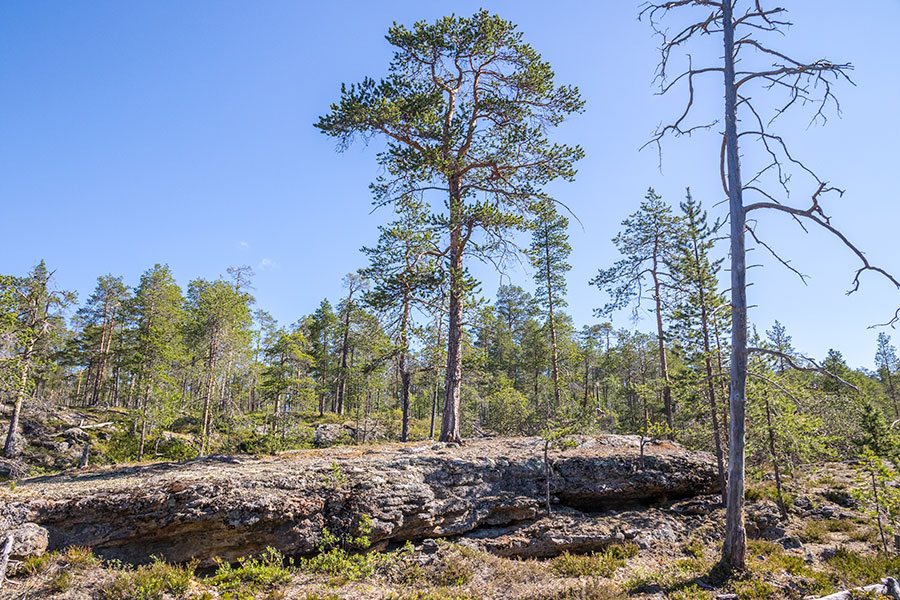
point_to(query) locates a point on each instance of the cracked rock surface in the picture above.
(229, 507)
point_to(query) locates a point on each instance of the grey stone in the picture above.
(222, 507)
(790, 543)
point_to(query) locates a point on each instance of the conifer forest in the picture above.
(671, 446)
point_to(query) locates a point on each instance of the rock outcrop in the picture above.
(228, 507)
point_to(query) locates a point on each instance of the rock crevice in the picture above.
(230, 507)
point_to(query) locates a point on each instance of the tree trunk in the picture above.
(723, 384)
(587, 371)
(143, 438)
(710, 380)
(552, 322)
(450, 426)
(434, 403)
(893, 393)
(663, 362)
(342, 386)
(717, 436)
(782, 506)
(734, 549)
(9, 448)
(878, 509)
(207, 398)
(324, 370)
(4, 557)
(404, 401)
(403, 366)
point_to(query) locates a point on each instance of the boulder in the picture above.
(28, 540)
(11, 468)
(229, 507)
(332, 434)
(568, 530)
(75, 435)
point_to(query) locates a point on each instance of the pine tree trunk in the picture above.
(552, 322)
(403, 366)
(710, 380)
(115, 401)
(450, 425)
(717, 436)
(878, 510)
(782, 506)
(434, 403)
(893, 394)
(734, 549)
(342, 386)
(587, 371)
(9, 448)
(663, 359)
(143, 438)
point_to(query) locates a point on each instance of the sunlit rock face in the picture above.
(229, 507)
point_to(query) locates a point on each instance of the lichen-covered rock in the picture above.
(566, 531)
(231, 507)
(28, 540)
(332, 434)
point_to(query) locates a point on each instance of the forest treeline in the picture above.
(206, 358)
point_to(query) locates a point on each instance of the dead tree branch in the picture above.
(816, 367)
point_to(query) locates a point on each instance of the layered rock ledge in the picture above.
(228, 507)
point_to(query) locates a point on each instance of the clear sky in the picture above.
(181, 133)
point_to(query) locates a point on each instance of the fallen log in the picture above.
(96, 425)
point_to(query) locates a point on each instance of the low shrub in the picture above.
(150, 582)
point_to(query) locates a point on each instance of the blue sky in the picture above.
(181, 133)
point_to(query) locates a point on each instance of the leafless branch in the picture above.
(816, 367)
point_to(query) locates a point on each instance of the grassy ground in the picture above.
(456, 572)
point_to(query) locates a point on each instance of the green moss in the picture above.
(695, 548)
(767, 490)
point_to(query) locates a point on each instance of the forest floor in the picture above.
(826, 544)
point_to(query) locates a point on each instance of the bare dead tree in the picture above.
(761, 83)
